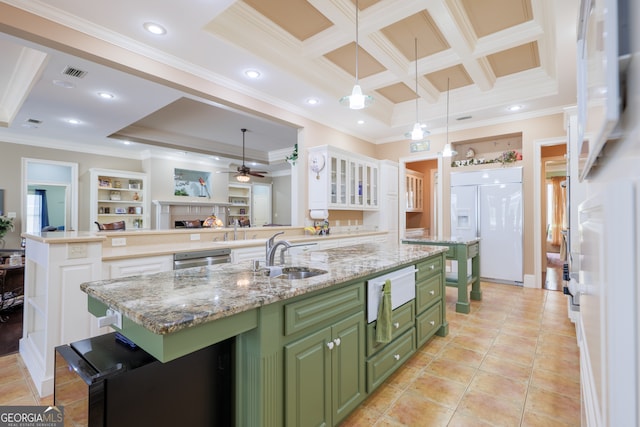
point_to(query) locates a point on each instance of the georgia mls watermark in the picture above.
(31, 416)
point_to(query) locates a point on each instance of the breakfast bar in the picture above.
(459, 250)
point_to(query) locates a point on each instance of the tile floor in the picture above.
(513, 361)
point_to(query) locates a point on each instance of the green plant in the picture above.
(6, 225)
(293, 158)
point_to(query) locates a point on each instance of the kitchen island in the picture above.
(302, 350)
(459, 250)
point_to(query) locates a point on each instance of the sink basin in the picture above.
(292, 273)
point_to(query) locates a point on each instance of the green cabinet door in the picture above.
(325, 374)
(308, 380)
(348, 369)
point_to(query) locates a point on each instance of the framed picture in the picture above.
(114, 195)
(131, 210)
(134, 185)
(104, 182)
(121, 210)
(243, 211)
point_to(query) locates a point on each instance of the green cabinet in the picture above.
(324, 373)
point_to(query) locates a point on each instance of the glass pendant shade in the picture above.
(417, 134)
(243, 178)
(448, 151)
(357, 100)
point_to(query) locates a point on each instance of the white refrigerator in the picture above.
(488, 204)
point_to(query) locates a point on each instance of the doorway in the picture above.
(49, 195)
(552, 209)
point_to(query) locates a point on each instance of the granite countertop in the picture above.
(424, 237)
(167, 302)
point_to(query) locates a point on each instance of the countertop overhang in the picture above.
(168, 302)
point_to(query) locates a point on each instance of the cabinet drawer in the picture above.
(428, 323)
(384, 363)
(402, 319)
(315, 310)
(427, 292)
(473, 250)
(428, 268)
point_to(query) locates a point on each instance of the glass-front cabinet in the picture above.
(348, 182)
(414, 190)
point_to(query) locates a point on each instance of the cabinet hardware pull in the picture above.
(396, 325)
(330, 345)
(432, 267)
(433, 322)
(337, 341)
(432, 292)
(396, 356)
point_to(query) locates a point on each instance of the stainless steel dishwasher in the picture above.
(200, 258)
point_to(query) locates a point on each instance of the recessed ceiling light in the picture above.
(360, 122)
(73, 121)
(514, 108)
(154, 28)
(106, 95)
(126, 142)
(63, 83)
(252, 74)
(313, 101)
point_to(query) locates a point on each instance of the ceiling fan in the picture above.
(243, 172)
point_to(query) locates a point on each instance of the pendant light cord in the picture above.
(447, 110)
(356, 41)
(416, 60)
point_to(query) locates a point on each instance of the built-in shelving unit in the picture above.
(119, 196)
(240, 203)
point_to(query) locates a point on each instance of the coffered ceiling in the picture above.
(491, 54)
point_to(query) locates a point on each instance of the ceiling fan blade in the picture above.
(258, 171)
(256, 174)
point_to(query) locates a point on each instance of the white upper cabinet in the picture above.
(342, 180)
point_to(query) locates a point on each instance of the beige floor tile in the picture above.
(441, 390)
(478, 344)
(461, 420)
(462, 355)
(500, 387)
(506, 368)
(521, 356)
(550, 381)
(562, 367)
(532, 419)
(553, 405)
(491, 409)
(452, 370)
(413, 410)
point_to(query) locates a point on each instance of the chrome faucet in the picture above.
(272, 252)
(269, 245)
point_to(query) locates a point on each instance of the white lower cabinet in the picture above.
(136, 266)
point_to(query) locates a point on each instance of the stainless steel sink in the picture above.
(293, 273)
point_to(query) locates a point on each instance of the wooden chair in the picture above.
(112, 226)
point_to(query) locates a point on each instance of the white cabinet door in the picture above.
(136, 266)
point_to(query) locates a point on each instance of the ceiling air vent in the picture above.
(34, 121)
(74, 72)
(464, 118)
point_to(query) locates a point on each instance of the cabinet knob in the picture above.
(396, 356)
(330, 345)
(432, 323)
(337, 341)
(396, 325)
(432, 267)
(432, 292)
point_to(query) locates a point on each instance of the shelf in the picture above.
(131, 202)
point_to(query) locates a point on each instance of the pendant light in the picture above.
(417, 133)
(357, 100)
(448, 151)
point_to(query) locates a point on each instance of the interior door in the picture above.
(261, 204)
